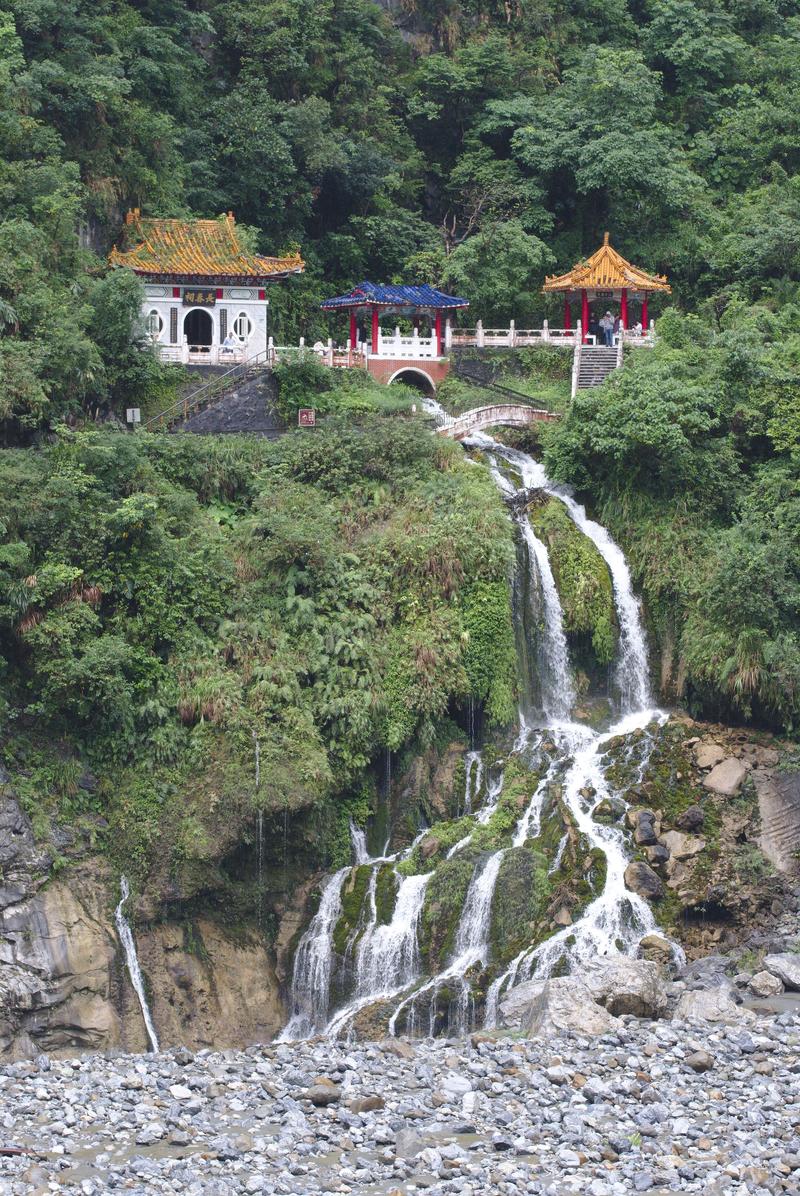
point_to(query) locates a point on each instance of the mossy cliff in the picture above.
(583, 581)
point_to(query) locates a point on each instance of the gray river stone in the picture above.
(567, 1113)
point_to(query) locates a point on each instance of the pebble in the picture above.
(632, 1111)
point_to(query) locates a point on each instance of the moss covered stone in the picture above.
(353, 892)
(582, 578)
(519, 909)
(444, 902)
(386, 886)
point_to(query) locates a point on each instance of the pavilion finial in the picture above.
(605, 238)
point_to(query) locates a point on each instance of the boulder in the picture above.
(644, 834)
(656, 948)
(657, 854)
(691, 819)
(397, 1047)
(682, 847)
(323, 1092)
(624, 985)
(566, 1005)
(641, 878)
(726, 778)
(708, 755)
(711, 1005)
(514, 1009)
(764, 984)
(786, 967)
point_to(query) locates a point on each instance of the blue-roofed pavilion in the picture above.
(379, 299)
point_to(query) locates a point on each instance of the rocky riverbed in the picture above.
(645, 1106)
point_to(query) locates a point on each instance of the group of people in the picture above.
(607, 328)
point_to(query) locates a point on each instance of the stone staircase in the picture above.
(595, 364)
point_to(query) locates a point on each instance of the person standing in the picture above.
(607, 325)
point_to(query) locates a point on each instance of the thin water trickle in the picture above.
(132, 960)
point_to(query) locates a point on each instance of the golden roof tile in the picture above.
(205, 248)
(606, 270)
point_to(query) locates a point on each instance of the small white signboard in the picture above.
(133, 415)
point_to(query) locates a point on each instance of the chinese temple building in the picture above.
(606, 276)
(205, 294)
(369, 303)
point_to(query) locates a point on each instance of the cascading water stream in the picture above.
(632, 667)
(386, 959)
(132, 960)
(313, 963)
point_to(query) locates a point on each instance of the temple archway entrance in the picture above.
(416, 378)
(198, 327)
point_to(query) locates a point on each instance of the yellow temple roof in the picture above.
(606, 270)
(207, 248)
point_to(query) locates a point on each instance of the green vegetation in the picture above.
(167, 603)
(582, 578)
(476, 145)
(690, 455)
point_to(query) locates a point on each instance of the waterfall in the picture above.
(132, 960)
(632, 668)
(386, 957)
(473, 764)
(471, 946)
(557, 694)
(313, 962)
(358, 839)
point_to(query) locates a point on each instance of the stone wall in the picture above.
(248, 408)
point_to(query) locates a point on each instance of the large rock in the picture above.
(726, 778)
(515, 1008)
(779, 809)
(624, 985)
(764, 984)
(657, 949)
(682, 847)
(565, 1004)
(786, 967)
(641, 878)
(711, 1005)
(691, 819)
(708, 755)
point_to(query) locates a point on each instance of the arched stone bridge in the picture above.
(510, 415)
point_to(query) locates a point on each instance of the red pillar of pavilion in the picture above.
(584, 315)
(353, 330)
(438, 334)
(375, 327)
(623, 310)
(567, 312)
(644, 314)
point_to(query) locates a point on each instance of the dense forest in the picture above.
(474, 144)
(154, 592)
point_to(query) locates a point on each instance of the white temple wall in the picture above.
(238, 312)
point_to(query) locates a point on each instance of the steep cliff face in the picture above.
(63, 980)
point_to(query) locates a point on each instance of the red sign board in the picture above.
(307, 417)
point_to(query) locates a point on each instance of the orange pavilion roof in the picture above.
(206, 248)
(606, 270)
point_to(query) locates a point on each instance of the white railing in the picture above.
(187, 354)
(414, 346)
(511, 337)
